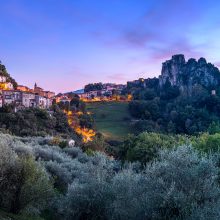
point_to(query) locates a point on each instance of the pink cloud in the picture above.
(117, 77)
(181, 46)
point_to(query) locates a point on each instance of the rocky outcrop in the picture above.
(186, 74)
(171, 69)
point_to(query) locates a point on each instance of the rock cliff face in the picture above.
(185, 74)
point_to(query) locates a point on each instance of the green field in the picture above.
(111, 119)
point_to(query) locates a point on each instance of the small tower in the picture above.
(35, 86)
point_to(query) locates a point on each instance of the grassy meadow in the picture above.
(112, 119)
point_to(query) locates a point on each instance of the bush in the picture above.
(145, 147)
(179, 185)
(98, 144)
(24, 184)
(35, 188)
(187, 181)
(207, 143)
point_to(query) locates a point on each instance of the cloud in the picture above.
(180, 46)
(138, 38)
(117, 77)
(155, 55)
(161, 30)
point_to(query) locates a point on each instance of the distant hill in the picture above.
(79, 91)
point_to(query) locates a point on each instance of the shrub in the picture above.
(180, 184)
(207, 143)
(145, 147)
(24, 184)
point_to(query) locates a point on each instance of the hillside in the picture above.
(35, 122)
(112, 119)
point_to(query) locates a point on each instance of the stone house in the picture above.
(41, 101)
(28, 100)
(49, 102)
(7, 97)
(11, 96)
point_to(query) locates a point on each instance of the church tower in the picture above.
(35, 86)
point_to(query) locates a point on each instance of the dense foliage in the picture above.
(24, 184)
(35, 122)
(146, 146)
(93, 87)
(180, 183)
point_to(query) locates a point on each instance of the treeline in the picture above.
(146, 147)
(37, 179)
(168, 109)
(93, 87)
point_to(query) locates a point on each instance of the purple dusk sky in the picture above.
(64, 44)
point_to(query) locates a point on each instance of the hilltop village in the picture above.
(23, 97)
